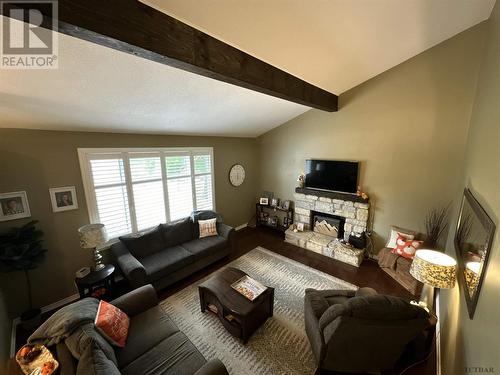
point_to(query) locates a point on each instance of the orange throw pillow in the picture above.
(406, 248)
(112, 323)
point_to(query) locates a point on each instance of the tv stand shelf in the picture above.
(331, 194)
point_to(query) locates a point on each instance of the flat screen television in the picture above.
(332, 175)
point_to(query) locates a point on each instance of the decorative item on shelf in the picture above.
(287, 221)
(436, 270)
(82, 272)
(300, 227)
(301, 179)
(264, 201)
(92, 236)
(436, 222)
(237, 175)
(267, 194)
(272, 220)
(285, 205)
(361, 193)
(63, 198)
(275, 202)
(21, 249)
(14, 206)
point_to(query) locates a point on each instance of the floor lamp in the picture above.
(435, 270)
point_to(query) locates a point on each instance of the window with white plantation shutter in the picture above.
(179, 186)
(203, 182)
(147, 187)
(111, 198)
(130, 190)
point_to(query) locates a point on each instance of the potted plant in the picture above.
(436, 223)
(21, 250)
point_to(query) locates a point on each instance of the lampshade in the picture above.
(92, 236)
(434, 268)
(472, 270)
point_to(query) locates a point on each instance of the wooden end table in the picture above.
(240, 316)
(89, 286)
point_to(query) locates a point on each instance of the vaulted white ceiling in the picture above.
(334, 44)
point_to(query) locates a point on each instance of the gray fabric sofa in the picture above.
(362, 331)
(171, 251)
(154, 343)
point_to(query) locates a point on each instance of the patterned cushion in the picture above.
(112, 323)
(406, 248)
(395, 233)
(208, 227)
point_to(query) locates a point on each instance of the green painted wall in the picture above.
(408, 127)
(465, 342)
(35, 161)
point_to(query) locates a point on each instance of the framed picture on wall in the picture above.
(63, 198)
(14, 206)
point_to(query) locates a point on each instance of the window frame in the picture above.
(85, 155)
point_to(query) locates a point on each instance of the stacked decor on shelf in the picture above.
(274, 213)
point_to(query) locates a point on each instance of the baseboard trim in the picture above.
(240, 227)
(44, 309)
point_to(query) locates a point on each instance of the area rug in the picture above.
(279, 346)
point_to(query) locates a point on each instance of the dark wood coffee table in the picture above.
(240, 316)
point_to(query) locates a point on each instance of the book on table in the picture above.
(248, 287)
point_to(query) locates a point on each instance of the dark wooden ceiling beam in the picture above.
(133, 27)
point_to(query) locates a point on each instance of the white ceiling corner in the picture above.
(334, 44)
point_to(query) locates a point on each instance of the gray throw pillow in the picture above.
(178, 232)
(144, 244)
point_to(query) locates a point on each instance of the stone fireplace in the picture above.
(329, 225)
(347, 206)
(328, 218)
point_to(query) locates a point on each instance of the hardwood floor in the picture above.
(368, 274)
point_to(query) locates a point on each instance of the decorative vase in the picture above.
(301, 184)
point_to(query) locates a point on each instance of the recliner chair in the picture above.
(362, 331)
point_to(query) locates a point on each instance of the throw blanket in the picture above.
(386, 259)
(65, 321)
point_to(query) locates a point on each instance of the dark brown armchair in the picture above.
(362, 331)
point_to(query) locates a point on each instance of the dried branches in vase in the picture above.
(436, 223)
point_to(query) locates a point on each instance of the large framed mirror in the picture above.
(473, 241)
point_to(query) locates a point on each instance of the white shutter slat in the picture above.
(149, 204)
(203, 190)
(107, 171)
(180, 197)
(146, 168)
(114, 213)
(178, 166)
(148, 196)
(202, 164)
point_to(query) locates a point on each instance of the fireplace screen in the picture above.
(328, 225)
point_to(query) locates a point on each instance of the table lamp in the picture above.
(435, 270)
(91, 237)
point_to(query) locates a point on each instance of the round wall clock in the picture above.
(237, 175)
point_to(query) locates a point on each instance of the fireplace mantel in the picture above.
(331, 195)
(349, 206)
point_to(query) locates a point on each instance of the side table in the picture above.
(98, 284)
